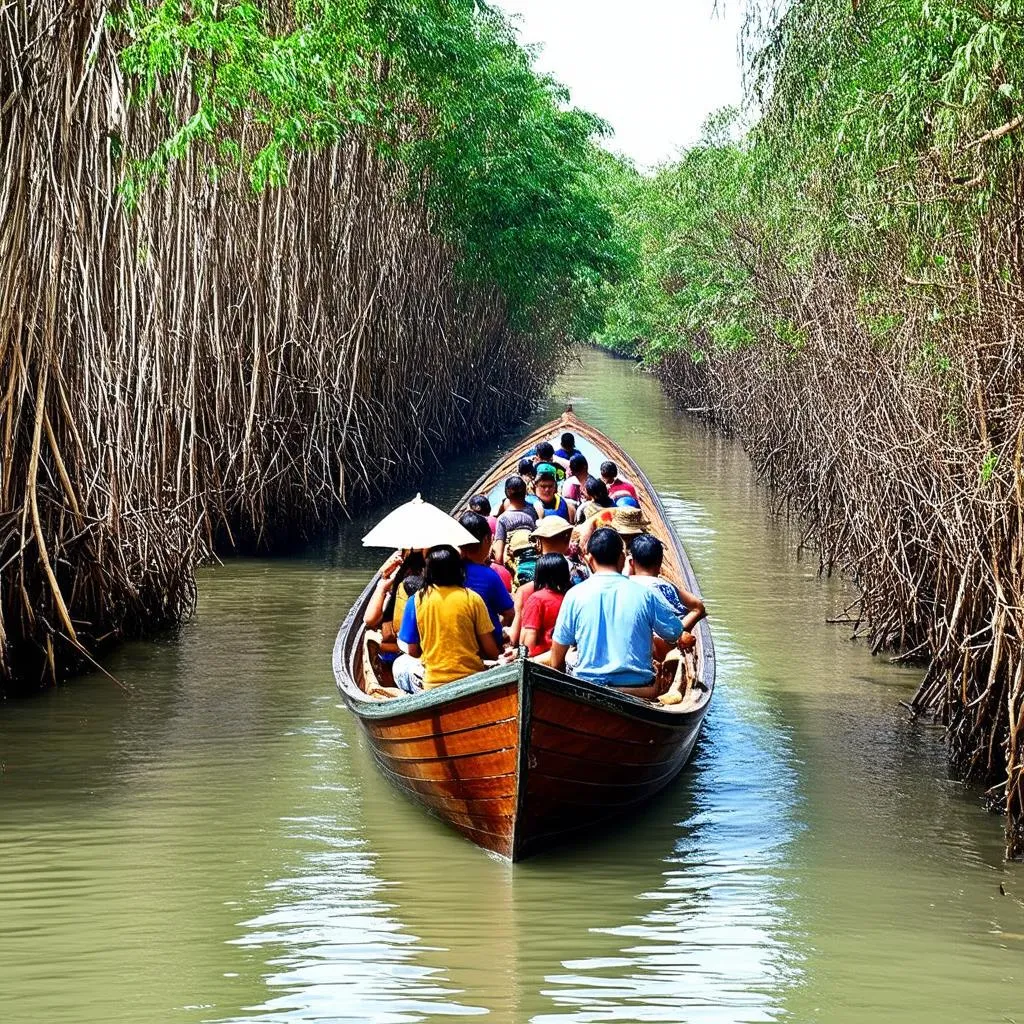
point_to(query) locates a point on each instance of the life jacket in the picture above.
(520, 557)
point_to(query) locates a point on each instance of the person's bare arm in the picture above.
(515, 630)
(498, 552)
(695, 610)
(375, 609)
(374, 613)
(529, 637)
(508, 615)
(413, 650)
(558, 653)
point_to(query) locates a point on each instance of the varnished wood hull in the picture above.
(521, 756)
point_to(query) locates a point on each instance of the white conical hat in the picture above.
(417, 524)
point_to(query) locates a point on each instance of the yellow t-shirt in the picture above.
(449, 621)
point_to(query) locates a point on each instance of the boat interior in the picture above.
(681, 678)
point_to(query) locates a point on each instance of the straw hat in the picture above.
(551, 526)
(629, 521)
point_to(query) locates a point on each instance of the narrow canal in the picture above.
(219, 848)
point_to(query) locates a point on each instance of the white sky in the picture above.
(654, 69)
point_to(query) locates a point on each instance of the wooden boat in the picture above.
(520, 756)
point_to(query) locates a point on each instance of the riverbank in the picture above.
(222, 330)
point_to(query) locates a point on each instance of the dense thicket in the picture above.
(257, 261)
(841, 282)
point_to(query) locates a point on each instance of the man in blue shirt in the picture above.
(481, 578)
(611, 621)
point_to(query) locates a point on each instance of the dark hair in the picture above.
(444, 568)
(545, 451)
(578, 463)
(551, 573)
(605, 546)
(412, 567)
(647, 551)
(568, 442)
(477, 525)
(412, 584)
(480, 503)
(609, 470)
(527, 468)
(515, 488)
(597, 492)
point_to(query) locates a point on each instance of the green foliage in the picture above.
(511, 173)
(691, 279)
(885, 133)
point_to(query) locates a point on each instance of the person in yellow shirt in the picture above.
(446, 631)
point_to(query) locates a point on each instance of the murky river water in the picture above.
(219, 848)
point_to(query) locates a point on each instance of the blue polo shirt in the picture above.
(611, 621)
(487, 583)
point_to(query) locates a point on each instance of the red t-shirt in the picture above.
(540, 613)
(619, 488)
(506, 576)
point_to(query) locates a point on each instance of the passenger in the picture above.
(528, 471)
(616, 486)
(518, 515)
(568, 449)
(481, 578)
(481, 504)
(541, 610)
(546, 457)
(627, 522)
(647, 554)
(446, 632)
(612, 622)
(576, 482)
(398, 581)
(503, 574)
(553, 536)
(551, 503)
(596, 498)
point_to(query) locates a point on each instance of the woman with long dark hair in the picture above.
(446, 631)
(550, 584)
(595, 491)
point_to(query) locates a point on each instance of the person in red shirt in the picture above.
(616, 487)
(551, 582)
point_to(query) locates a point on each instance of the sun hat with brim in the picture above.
(546, 469)
(551, 526)
(629, 521)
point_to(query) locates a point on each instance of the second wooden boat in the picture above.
(520, 756)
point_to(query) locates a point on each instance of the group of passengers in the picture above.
(565, 568)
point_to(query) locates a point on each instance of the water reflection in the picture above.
(716, 945)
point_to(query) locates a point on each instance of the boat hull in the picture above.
(525, 757)
(520, 757)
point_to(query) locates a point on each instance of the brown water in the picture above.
(219, 848)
